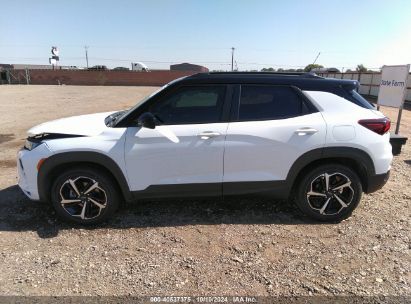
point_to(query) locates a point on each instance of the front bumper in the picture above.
(377, 181)
(27, 169)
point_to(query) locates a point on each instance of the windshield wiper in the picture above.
(111, 119)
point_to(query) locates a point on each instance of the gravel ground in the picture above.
(210, 247)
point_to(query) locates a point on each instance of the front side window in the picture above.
(191, 105)
(270, 103)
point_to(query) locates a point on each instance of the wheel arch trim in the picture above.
(359, 156)
(67, 158)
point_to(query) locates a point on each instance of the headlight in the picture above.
(30, 145)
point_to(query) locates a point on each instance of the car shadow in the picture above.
(17, 213)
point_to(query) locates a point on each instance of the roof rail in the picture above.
(299, 74)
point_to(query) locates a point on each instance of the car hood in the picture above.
(83, 125)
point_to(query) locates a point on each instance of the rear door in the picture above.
(184, 154)
(271, 127)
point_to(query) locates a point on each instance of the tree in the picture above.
(361, 68)
(311, 66)
(267, 70)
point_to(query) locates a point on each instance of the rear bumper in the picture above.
(377, 181)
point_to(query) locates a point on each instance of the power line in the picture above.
(116, 47)
(223, 63)
(185, 48)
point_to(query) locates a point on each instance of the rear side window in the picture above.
(359, 100)
(191, 105)
(350, 95)
(270, 103)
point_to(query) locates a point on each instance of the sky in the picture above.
(264, 33)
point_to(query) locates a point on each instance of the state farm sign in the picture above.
(393, 85)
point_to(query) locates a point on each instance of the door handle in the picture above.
(305, 131)
(208, 134)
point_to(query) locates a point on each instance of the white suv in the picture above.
(291, 136)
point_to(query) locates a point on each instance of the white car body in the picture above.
(214, 153)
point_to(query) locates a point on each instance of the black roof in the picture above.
(304, 81)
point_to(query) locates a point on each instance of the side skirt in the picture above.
(275, 189)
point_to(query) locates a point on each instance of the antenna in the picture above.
(315, 60)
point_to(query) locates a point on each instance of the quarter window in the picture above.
(191, 105)
(270, 102)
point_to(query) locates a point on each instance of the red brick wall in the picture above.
(85, 77)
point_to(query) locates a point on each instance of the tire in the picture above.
(332, 205)
(84, 206)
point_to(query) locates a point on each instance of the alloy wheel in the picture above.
(83, 197)
(329, 194)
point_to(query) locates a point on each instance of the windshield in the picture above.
(114, 118)
(125, 113)
(144, 100)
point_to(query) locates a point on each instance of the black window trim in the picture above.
(235, 112)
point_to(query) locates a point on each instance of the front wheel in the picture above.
(329, 193)
(84, 196)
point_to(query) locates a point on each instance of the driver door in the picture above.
(184, 154)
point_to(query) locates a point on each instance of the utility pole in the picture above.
(86, 48)
(232, 59)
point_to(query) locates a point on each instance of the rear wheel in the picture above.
(84, 196)
(329, 193)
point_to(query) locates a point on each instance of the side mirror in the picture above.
(147, 120)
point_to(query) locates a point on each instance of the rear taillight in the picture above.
(379, 125)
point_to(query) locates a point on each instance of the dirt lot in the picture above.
(247, 247)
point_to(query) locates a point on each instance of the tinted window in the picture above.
(350, 95)
(191, 105)
(359, 100)
(270, 102)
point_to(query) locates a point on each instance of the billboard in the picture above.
(55, 58)
(393, 85)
